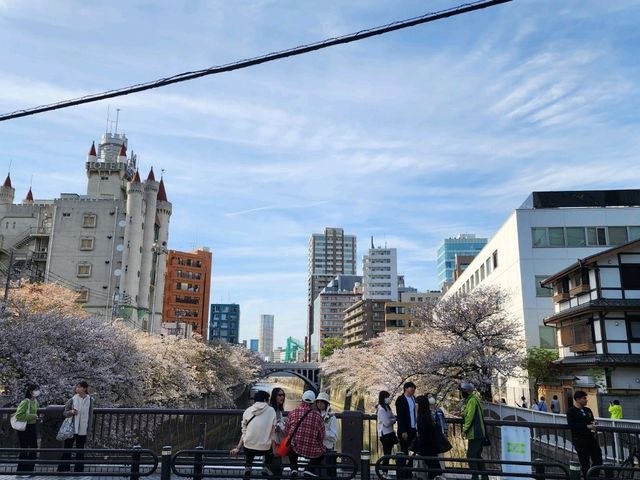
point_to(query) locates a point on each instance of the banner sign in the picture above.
(516, 446)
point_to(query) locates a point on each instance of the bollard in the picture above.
(538, 469)
(365, 465)
(197, 464)
(574, 470)
(165, 469)
(135, 463)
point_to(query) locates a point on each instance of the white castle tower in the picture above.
(163, 209)
(150, 200)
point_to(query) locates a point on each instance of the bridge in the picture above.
(309, 372)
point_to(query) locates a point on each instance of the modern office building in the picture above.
(363, 321)
(186, 289)
(224, 323)
(254, 345)
(330, 253)
(104, 245)
(265, 336)
(380, 274)
(546, 234)
(465, 244)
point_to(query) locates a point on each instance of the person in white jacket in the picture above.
(323, 404)
(258, 428)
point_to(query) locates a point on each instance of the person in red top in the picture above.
(308, 438)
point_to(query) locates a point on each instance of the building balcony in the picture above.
(584, 288)
(562, 296)
(583, 348)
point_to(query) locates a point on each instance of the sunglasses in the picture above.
(281, 395)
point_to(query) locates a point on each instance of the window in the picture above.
(576, 237)
(634, 233)
(548, 337)
(495, 260)
(82, 295)
(576, 333)
(539, 237)
(66, 214)
(540, 290)
(617, 235)
(633, 320)
(86, 243)
(556, 237)
(630, 276)
(596, 236)
(89, 220)
(83, 270)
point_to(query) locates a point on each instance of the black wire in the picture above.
(182, 77)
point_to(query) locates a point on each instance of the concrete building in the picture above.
(224, 323)
(465, 244)
(420, 297)
(330, 253)
(102, 244)
(597, 319)
(380, 274)
(187, 288)
(363, 321)
(254, 345)
(545, 235)
(265, 336)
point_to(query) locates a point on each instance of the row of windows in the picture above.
(189, 287)
(189, 300)
(188, 262)
(489, 265)
(183, 312)
(542, 237)
(189, 275)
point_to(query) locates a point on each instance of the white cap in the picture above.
(324, 397)
(309, 396)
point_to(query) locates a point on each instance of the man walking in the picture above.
(407, 423)
(583, 427)
(473, 428)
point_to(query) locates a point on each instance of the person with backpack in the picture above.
(306, 429)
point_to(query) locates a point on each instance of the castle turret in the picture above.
(150, 198)
(29, 197)
(133, 234)
(163, 211)
(7, 192)
(109, 169)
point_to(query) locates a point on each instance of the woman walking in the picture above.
(386, 420)
(80, 407)
(28, 412)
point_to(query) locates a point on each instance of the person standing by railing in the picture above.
(385, 421)
(277, 400)
(28, 412)
(308, 440)
(582, 423)
(407, 425)
(323, 404)
(542, 405)
(80, 407)
(427, 440)
(473, 428)
(555, 404)
(615, 410)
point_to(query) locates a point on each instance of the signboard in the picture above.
(516, 446)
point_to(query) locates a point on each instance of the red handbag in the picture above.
(282, 450)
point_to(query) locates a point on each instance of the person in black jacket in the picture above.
(407, 422)
(583, 427)
(427, 440)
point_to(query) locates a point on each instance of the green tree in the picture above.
(539, 364)
(329, 345)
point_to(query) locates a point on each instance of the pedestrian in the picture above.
(555, 404)
(258, 427)
(323, 404)
(503, 401)
(615, 410)
(407, 427)
(80, 407)
(583, 427)
(277, 400)
(523, 402)
(473, 428)
(27, 411)
(427, 440)
(385, 421)
(542, 405)
(439, 418)
(308, 440)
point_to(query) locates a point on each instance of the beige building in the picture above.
(101, 244)
(363, 321)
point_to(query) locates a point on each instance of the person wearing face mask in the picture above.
(28, 412)
(323, 404)
(473, 428)
(386, 420)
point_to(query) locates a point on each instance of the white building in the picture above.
(100, 244)
(547, 233)
(265, 336)
(380, 274)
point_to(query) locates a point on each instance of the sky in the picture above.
(411, 137)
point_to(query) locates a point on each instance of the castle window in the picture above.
(82, 295)
(83, 270)
(89, 220)
(86, 243)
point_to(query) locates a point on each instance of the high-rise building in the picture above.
(330, 253)
(380, 274)
(362, 321)
(186, 289)
(265, 336)
(104, 245)
(465, 244)
(224, 322)
(254, 345)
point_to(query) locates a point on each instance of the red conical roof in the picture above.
(136, 177)
(7, 181)
(29, 196)
(92, 150)
(123, 151)
(162, 193)
(151, 176)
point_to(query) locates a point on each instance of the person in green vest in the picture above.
(28, 412)
(615, 410)
(473, 428)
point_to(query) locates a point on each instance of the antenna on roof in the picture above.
(106, 128)
(117, 117)
(372, 246)
(10, 162)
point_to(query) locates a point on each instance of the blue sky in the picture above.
(411, 137)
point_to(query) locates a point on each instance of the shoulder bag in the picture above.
(67, 429)
(20, 425)
(283, 449)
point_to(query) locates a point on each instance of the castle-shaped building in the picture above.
(107, 245)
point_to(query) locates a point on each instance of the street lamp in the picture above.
(157, 249)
